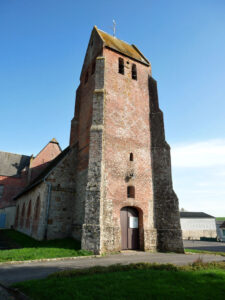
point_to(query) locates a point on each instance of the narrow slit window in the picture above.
(131, 157)
(121, 66)
(130, 192)
(86, 78)
(134, 72)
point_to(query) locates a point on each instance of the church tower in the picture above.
(124, 194)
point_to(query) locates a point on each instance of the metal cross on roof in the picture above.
(114, 28)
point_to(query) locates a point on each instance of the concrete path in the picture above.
(11, 273)
(204, 245)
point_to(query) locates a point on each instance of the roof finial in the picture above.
(114, 28)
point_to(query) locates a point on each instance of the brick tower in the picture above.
(124, 194)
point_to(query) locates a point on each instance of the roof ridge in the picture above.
(15, 153)
(115, 37)
(42, 149)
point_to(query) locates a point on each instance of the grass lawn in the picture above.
(31, 249)
(204, 252)
(220, 219)
(137, 281)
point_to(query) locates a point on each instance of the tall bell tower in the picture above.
(124, 194)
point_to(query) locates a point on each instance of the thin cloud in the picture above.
(203, 154)
(199, 176)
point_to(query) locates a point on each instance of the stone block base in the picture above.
(91, 238)
(150, 240)
(111, 239)
(170, 240)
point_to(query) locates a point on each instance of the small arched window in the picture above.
(130, 192)
(121, 66)
(134, 72)
(131, 157)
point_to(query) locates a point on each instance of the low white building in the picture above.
(197, 225)
(220, 227)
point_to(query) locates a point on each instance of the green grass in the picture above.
(220, 219)
(137, 281)
(204, 252)
(30, 249)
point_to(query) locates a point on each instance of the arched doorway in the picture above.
(129, 228)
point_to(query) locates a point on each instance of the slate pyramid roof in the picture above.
(122, 47)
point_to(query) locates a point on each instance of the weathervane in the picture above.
(114, 28)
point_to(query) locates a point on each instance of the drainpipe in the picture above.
(49, 185)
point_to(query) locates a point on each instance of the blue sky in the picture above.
(43, 43)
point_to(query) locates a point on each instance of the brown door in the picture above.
(129, 228)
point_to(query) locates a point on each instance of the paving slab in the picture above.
(11, 273)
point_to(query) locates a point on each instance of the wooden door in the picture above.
(129, 228)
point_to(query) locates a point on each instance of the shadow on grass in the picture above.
(29, 249)
(21, 240)
(137, 281)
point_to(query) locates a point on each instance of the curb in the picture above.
(16, 262)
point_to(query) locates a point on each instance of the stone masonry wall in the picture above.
(40, 191)
(57, 202)
(91, 234)
(166, 208)
(62, 201)
(80, 196)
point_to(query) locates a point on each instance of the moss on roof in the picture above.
(122, 47)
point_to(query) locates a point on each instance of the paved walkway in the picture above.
(34, 270)
(205, 245)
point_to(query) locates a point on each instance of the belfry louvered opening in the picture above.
(121, 66)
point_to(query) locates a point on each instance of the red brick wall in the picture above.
(40, 162)
(12, 186)
(83, 115)
(126, 130)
